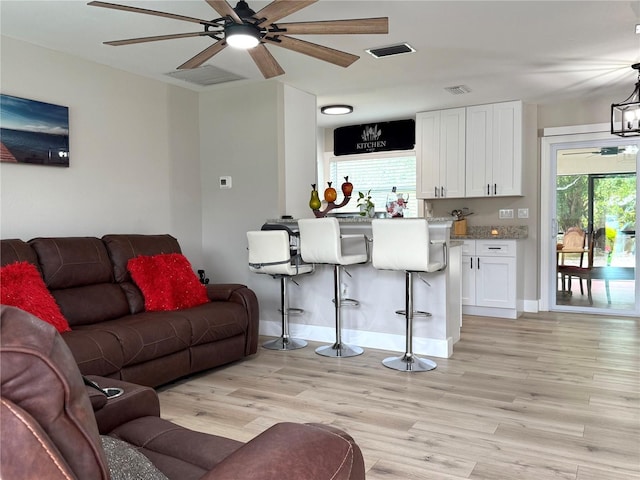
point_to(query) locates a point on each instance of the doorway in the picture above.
(590, 255)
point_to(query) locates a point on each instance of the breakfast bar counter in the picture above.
(380, 293)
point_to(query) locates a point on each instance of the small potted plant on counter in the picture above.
(367, 207)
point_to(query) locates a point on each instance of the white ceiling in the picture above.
(537, 51)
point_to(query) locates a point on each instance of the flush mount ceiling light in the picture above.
(336, 109)
(625, 116)
(242, 35)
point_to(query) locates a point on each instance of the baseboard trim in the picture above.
(383, 341)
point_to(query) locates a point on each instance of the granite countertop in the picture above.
(354, 219)
(513, 232)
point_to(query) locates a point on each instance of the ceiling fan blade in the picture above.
(281, 8)
(268, 65)
(224, 9)
(126, 8)
(204, 55)
(131, 41)
(337, 57)
(337, 27)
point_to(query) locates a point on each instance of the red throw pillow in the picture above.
(167, 282)
(22, 286)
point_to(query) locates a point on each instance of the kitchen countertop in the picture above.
(354, 220)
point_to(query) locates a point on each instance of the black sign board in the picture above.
(374, 137)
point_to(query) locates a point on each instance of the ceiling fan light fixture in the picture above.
(625, 116)
(336, 109)
(242, 36)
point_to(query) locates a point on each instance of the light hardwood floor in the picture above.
(547, 396)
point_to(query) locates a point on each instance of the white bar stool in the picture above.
(321, 242)
(270, 253)
(404, 245)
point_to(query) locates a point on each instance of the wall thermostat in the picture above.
(225, 182)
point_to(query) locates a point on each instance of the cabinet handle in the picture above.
(494, 248)
(471, 263)
(495, 188)
(442, 192)
(435, 192)
(488, 192)
(478, 263)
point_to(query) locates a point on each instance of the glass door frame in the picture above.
(562, 138)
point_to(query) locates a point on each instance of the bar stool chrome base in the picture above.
(283, 343)
(339, 350)
(409, 363)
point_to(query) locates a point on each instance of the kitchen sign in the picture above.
(374, 137)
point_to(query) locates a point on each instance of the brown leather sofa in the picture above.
(48, 429)
(112, 335)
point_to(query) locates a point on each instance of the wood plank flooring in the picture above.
(547, 396)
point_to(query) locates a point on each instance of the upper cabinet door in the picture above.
(494, 150)
(452, 152)
(440, 153)
(479, 150)
(507, 148)
(428, 154)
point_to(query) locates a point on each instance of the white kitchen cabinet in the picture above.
(494, 150)
(490, 282)
(440, 154)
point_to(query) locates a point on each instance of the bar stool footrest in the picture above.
(416, 313)
(293, 311)
(347, 302)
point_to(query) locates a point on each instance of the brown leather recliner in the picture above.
(48, 428)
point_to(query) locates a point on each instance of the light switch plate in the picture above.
(225, 182)
(523, 213)
(506, 213)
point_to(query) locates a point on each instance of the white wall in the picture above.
(266, 144)
(238, 138)
(134, 153)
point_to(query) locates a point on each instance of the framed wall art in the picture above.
(33, 132)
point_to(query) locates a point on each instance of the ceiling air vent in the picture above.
(458, 89)
(391, 50)
(207, 75)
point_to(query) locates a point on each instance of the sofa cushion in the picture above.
(14, 250)
(126, 463)
(167, 282)
(175, 450)
(147, 336)
(72, 261)
(92, 303)
(79, 274)
(21, 286)
(96, 351)
(123, 247)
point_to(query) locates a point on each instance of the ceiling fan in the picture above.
(243, 24)
(608, 151)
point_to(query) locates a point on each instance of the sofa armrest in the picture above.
(136, 401)
(222, 292)
(291, 451)
(242, 295)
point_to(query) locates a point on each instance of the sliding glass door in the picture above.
(595, 220)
